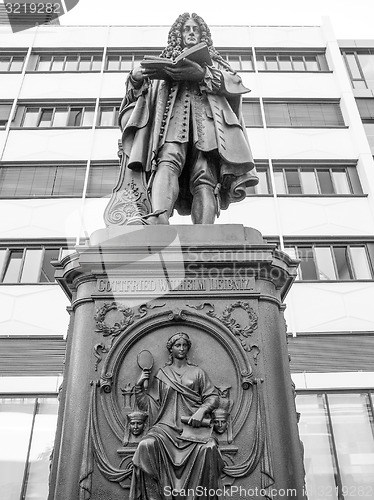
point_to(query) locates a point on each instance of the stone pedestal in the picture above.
(133, 287)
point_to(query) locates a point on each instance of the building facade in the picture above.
(310, 122)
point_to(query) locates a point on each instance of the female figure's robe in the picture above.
(163, 462)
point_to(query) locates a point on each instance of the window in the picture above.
(11, 62)
(32, 116)
(336, 430)
(291, 61)
(334, 262)
(366, 109)
(263, 187)
(108, 115)
(65, 62)
(28, 265)
(317, 180)
(252, 113)
(5, 109)
(101, 180)
(303, 114)
(239, 61)
(119, 61)
(360, 66)
(27, 432)
(40, 181)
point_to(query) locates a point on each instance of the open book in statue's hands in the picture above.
(199, 53)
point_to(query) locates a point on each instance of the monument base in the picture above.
(131, 289)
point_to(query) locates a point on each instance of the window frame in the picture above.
(23, 108)
(135, 55)
(60, 247)
(12, 55)
(36, 57)
(355, 52)
(332, 245)
(290, 107)
(319, 54)
(349, 168)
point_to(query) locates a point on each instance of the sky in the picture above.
(349, 18)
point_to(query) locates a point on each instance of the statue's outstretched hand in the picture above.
(197, 418)
(188, 71)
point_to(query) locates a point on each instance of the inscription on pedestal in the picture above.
(162, 285)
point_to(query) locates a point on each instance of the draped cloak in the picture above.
(206, 114)
(162, 461)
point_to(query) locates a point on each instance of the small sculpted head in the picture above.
(220, 420)
(137, 421)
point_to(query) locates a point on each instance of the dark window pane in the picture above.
(307, 265)
(69, 181)
(75, 117)
(45, 118)
(101, 180)
(48, 271)
(325, 182)
(4, 114)
(293, 181)
(277, 114)
(354, 179)
(366, 108)
(13, 267)
(252, 114)
(342, 263)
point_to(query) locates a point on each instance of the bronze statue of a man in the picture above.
(185, 132)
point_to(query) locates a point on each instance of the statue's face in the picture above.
(190, 33)
(220, 425)
(136, 427)
(179, 349)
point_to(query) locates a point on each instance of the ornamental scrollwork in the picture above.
(119, 326)
(242, 332)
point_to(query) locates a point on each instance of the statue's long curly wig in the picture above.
(175, 40)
